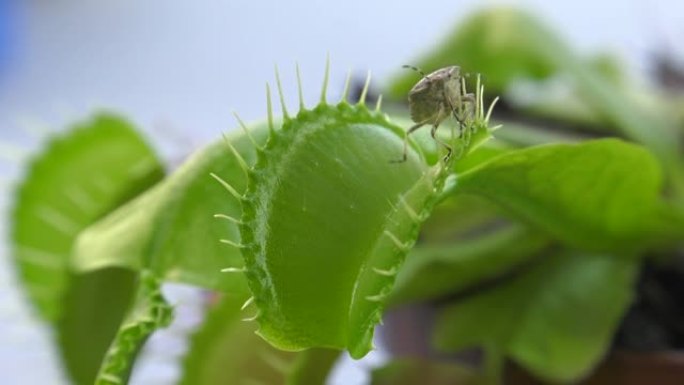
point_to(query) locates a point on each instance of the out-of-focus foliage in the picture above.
(226, 347)
(600, 195)
(557, 319)
(170, 230)
(502, 44)
(80, 176)
(410, 372)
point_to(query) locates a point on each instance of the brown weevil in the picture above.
(436, 97)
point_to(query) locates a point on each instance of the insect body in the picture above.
(436, 97)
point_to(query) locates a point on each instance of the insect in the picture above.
(436, 97)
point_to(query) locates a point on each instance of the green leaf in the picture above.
(597, 195)
(557, 319)
(411, 371)
(225, 349)
(79, 177)
(458, 218)
(481, 155)
(171, 229)
(432, 271)
(148, 313)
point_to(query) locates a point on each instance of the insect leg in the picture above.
(461, 124)
(469, 101)
(410, 130)
(433, 133)
(455, 112)
(464, 112)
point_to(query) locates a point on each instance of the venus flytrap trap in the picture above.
(327, 220)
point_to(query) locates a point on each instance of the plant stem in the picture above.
(493, 365)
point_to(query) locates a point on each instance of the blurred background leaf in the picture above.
(533, 318)
(78, 178)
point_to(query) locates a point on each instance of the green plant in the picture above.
(312, 223)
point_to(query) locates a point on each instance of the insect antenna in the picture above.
(415, 69)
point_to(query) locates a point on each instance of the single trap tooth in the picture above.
(326, 78)
(283, 106)
(238, 157)
(347, 87)
(228, 218)
(269, 110)
(249, 135)
(364, 91)
(228, 187)
(231, 243)
(247, 303)
(399, 244)
(300, 89)
(385, 273)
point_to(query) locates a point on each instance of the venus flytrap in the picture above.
(304, 221)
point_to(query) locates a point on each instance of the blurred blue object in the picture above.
(7, 31)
